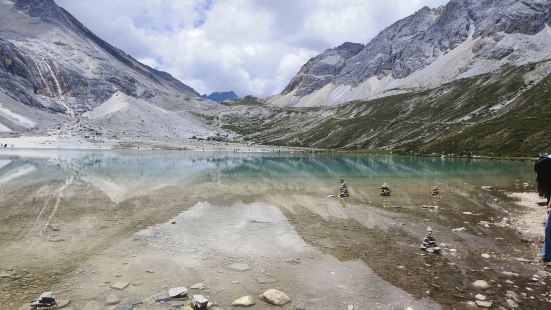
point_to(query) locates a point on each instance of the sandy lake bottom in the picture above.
(81, 223)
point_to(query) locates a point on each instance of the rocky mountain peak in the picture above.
(462, 38)
(53, 63)
(46, 10)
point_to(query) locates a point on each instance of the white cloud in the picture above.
(249, 46)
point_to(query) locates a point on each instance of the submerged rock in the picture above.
(239, 267)
(245, 301)
(275, 297)
(63, 303)
(198, 286)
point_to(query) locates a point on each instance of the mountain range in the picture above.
(469, 76)
(461, 39)
(54, 70)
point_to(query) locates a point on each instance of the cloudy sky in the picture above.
(249, 46)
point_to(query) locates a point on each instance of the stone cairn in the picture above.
(435, 192)
(385, 190)
(343, 191)
(429, 243)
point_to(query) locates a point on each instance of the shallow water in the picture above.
(76, 222)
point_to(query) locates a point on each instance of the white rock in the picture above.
(509, 274)
(480, 284)
(245, 301)
(485, 255)
(177, 292)
(480, 297)
(484, 304)
(275, 297)
(199, 302)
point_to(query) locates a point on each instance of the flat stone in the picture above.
(485, 255)
(112, 299)
(120, 285)
(350, 307)
(484, 304)
(199, 302)
(245, 301)
(509, 274)
(480, 297)
(239, 267)
(198, 286)
(275, 297)
(480, 284)
(177, 292)
(470, 305)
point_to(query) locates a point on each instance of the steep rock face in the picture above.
(468, 37)
(50, 61)
(320, 70)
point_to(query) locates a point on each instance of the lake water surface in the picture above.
(76, 222)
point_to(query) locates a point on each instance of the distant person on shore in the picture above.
(543, 171)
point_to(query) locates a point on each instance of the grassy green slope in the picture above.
(453, 118)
